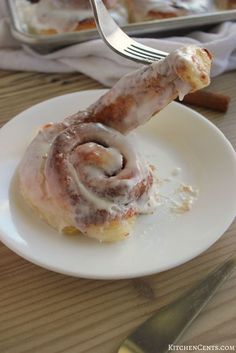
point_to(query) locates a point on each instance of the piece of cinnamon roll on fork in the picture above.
(138, 96)
(82, 175)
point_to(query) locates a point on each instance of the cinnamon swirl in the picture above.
(87, 178)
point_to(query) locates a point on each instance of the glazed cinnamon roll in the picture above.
(87, 178)
(143, 10)
(82, 175)
(226, 4)
(58, 16)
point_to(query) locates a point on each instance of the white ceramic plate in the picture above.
(178, 137)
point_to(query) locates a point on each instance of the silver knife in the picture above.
(166, 326)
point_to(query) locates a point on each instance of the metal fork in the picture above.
(118, 41)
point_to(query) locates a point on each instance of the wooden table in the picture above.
(46, 312)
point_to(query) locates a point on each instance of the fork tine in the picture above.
(148, 50)
(119, 41)
(140, 51)
(136, 57)
(141, 55)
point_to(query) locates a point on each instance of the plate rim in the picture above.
(5, 238)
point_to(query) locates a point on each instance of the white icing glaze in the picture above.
(149, 202)
(142, 7)
(97, 202)
(33, 185)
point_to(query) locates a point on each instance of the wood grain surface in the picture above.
(46, 312)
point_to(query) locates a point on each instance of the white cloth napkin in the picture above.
(96, 60)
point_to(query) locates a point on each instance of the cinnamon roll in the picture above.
(87, 178)
(143, 10)
(58, 16)
(82, 175)
(226, 4)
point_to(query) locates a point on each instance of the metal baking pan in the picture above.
(157, 28)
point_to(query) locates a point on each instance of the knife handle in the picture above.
(168, 324)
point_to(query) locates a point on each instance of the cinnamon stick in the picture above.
(205, 99)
